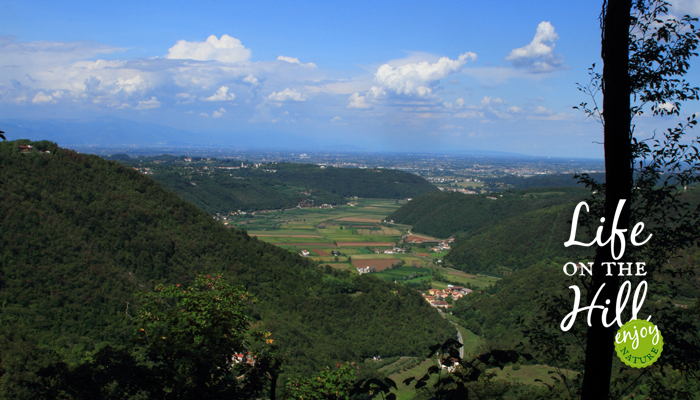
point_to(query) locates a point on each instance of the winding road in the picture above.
(461, 340)
(459, 337)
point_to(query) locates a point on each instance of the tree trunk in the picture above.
(618, 178)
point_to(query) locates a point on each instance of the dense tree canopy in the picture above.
(81, 236)
(229, 185)
(443, 214)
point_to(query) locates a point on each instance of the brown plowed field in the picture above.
(320, 252)
(380, 264)
(423, 254)
(305, 244)
(421, 238)
(363, 244)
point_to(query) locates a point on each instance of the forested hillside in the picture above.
(79, 236)
(495, 315)
(443, 214)
(228, 185)
(538, 181)
(518, 242)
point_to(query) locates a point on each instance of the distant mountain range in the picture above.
(88, 134)
(109, 132)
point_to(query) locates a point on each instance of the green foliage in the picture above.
(185, 347)
(81, 236)
(453, 377)
(500, 235)
(214, 188)
(443, 214)
(649, 177)
(537, 181)
(495, 316)
(328, 384)
(346, 182)
(518, 242)
(193, 332)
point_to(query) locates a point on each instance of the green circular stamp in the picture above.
(639, 343)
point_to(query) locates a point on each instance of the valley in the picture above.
(348, 281)
(361, 237)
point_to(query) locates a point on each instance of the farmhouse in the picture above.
(365, 270)
(440, 304)
(450, 364)
(305, 253)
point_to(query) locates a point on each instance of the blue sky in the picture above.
(403, 76)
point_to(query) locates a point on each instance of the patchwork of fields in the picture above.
(356, 232)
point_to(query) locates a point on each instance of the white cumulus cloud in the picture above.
(42, 98)
(683, 7)
(148, 104)
(219, 113)
(227, 49)
(129, 85)
(357, 101)
(416, 79)
(221, 95)
(251, 79)
(290, 60)
(285, 96)
(538, 56)
(459, 104)
(294, 60)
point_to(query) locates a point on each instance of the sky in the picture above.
(407, 76)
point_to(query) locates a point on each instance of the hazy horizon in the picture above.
(389, 76)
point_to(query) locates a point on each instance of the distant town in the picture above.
(468, 174)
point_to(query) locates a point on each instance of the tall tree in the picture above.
(645, 54)
(616, 88)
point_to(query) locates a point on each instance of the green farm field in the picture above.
(404, 392)
(356, 232)
(528, 373)
(342, 226)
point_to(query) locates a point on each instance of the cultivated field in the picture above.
(356, 232)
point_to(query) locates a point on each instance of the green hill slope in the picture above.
(223, 185)
(80, 235)
(495, 315)
(443, 214)
(518, 242)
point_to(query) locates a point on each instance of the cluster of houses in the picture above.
(437, 297)
(145, 171)
(442, 246)
(26, 148)
(460, 190)
(395, 250)
(365, 270)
